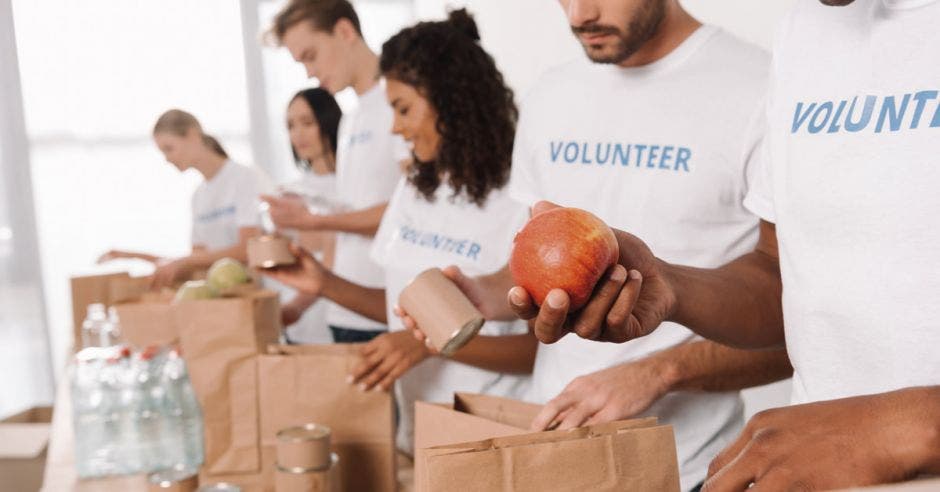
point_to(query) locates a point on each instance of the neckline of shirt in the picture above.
(672, 59)
(225, 165)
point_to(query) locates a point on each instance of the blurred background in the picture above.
(81, 84)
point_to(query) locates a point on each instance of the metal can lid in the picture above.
(167, 478)
(306, 432)
(219, 487)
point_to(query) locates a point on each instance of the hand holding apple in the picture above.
(630, 299)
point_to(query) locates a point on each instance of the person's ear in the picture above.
(345, 29)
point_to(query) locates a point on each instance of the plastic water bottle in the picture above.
(183, 405)
(142, 414)
(95, 319)
(87, 415)
(110, 334)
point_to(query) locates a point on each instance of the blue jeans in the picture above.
(349, 335)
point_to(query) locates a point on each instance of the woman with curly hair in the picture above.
(453, 107)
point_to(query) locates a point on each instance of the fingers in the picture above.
(378, 373)
(549, 325)
(730, 452)
(521, 303)
(621, 324)
(365, 367)
(409, 323)
(589, 323)
(576, 417)
(551, 411)
(389, 380)
(738, 475)
(542, 206)
(270, 199)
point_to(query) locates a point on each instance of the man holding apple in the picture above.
(646, 136)
(845, 268)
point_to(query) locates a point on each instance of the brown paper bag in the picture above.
(220, 340)
(147, 323)
(471, 417)
(307, 383)
(635, 455)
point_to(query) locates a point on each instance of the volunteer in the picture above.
(845, 269)
(646, 134)
(225, 205)
(327, 39)
(313, 118)
(451, 208)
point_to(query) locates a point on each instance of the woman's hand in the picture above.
(386, 358)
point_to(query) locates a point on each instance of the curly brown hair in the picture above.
(476, 114)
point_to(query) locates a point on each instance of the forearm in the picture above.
(205, 259)
(708, 366)
(364, 222)
(513, 354)
(367, 301)
(303, 300)
(737, 304)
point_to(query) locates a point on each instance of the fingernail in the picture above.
(362, 386)
(376, 388)
(515, 297)
(555, 300)
(635, 275)
(349, 379)
(618, 275)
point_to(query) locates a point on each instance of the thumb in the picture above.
(270, 200)
(542, 206)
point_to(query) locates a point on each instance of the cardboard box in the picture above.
(24, 438)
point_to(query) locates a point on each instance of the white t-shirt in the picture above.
(320, 191)
(851, 176)
(367, 170)
(416, 235)
(656, 151)
(227, 202)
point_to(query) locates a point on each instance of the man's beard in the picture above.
(642, 27)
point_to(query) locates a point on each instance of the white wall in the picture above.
(528, 36)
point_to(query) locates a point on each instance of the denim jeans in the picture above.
(349, 335)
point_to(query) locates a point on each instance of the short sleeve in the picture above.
(387, 227)
(523, 180)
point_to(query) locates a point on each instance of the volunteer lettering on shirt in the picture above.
(460, 247)
(895, 113)
(646, 156)
(227, 202)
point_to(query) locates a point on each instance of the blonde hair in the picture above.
(178, 122)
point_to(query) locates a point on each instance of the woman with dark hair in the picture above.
(313, 118)
(453, 107)
(224, 206)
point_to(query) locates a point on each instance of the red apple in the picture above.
(563, 248)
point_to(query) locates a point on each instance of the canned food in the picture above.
(297, 480)
(305, 447)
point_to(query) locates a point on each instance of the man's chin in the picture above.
(603, 55)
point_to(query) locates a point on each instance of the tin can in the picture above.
(448, 319)
(299, 480)
(305, 447)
